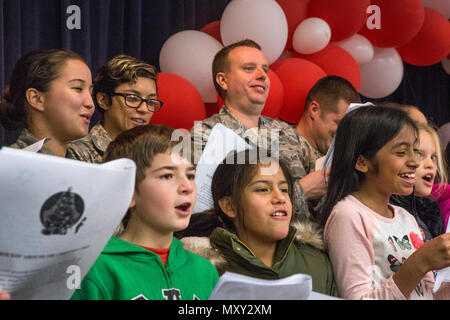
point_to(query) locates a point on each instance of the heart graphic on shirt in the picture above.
(416, 240)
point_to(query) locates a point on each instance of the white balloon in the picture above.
(311, 35)
(190, 54)
(443, 6)
(446, 65)
(359, 48)
(381, 76)
(262, 21)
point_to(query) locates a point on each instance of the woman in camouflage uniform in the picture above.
(125, 92)
(49, 98)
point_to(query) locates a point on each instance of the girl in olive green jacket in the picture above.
(253, 233)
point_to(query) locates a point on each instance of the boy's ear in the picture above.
(102, 100)
(227, 207)
(133, 201)
(362, 165)
(35, 99)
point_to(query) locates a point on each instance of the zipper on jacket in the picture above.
(276, 264)
(284, 256)
(247, 247)
(169, 274)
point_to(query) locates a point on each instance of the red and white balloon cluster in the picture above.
(364, 41)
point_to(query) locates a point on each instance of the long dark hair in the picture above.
(363, 131)
(36, 69)
(229, 180)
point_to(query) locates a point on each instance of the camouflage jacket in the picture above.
(268, 131)
(92, 147)
(308, 154)
(26, 139)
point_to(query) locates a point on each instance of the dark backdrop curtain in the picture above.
(140, 28)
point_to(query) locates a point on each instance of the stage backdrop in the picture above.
(140, 28)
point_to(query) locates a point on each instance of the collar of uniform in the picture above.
(300, 138)
(225, 113)
(26, 139)
(100, 138)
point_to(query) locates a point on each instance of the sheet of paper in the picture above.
(326, 162)
(56, 217)
(221, 141)
(35, 147)
(233, 286)
(442, 275)
(320, 162)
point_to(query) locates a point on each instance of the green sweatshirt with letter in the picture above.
(125, 271)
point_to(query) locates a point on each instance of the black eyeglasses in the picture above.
(134, 101)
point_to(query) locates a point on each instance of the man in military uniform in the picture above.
(325, 105)
(125, 91)
(241, 79)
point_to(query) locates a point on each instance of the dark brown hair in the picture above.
(329, 90)
(229, 180)
(363, 131)
(36, 69)
(121, 69)
(231, 177)
(140, 144)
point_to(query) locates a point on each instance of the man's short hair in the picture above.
(222, 64)
(328, 90)
(121, 69)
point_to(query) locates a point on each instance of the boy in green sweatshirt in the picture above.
(145, 261)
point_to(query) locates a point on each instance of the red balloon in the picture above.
(345, 17)
(431, 44)
(285, 55)
(400, 21)
(297, 77)
(182, 102)
(213, 107)
(213, 29)
(274, 101)
(336, 61)
(296, 11)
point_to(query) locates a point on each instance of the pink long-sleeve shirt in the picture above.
(366, 249)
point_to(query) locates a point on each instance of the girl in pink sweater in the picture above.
(376, 248)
